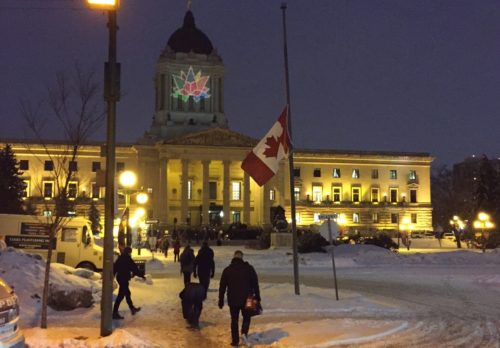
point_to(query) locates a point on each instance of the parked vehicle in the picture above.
(10, 335)
(449, 235)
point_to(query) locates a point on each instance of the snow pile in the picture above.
(25, 272)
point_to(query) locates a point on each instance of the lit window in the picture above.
(317, 173)
(317, 191)
(190, 189)
(236, 190)
(413, 196)
(72, 189)
(24, 165)
(375, 218)
(355, 173)
(316, 217)
(236, 216)
(336, 172)
(95, 191)
(356, 194)
(393, 195)
(375, 195)
(296, 192)
(27, 188)
(355, 218)
(337, 194)
(374, 173)
(413, 218)
(412, 175)
(393, 174)
(272, 195)
(48, 189)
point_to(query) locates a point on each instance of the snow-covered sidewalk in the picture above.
(313, 319)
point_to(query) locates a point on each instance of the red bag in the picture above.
(252, 306)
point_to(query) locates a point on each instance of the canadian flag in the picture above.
(262, 162)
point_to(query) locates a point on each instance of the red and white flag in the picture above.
(262, 162)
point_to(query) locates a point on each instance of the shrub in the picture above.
(310, 242)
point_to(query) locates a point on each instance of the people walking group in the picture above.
(238, 280)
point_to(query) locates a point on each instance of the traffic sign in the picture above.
(327, 216)
(325, 231)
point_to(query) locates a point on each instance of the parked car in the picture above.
(10, 335)
(449, 235)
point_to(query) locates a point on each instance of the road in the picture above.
(442, 308)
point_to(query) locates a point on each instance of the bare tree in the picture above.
(74, 104)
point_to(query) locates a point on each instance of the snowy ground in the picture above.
(386, 299)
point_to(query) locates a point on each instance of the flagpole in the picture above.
(290, 160)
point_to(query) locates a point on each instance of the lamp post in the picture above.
(457, 227)
(127, 180)
(483, 223)
(111, 96)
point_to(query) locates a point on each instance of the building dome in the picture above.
(189, 38)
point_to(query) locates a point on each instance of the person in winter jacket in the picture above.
(187, 262)
(124, 268)
(204, 265)
(177, 249)
(192, 298)
(240, 280)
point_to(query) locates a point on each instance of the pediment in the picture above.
(215, 137)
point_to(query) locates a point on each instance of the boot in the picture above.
(117, 315)
(135, 310)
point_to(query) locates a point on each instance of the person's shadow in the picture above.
(267, 337)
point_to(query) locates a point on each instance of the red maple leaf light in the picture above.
(273, 147)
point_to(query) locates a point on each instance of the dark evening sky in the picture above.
(395, 75)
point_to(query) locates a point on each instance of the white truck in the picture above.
(74, 244)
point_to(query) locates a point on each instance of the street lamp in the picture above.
(111, 95)
(457, 227)
(483, 223)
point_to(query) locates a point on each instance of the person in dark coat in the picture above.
(177, 249)
(204, 265)
(192, 298)
(240, 280)
(124, 268)
(187, 262)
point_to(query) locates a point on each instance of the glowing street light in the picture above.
(483, 223)
(142, 198)
(107, 5)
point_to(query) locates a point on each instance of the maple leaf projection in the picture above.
(273, 147)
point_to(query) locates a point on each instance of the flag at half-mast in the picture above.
(262, 162)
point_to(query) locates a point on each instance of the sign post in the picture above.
(330, 229)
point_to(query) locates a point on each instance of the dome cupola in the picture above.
(188, 38)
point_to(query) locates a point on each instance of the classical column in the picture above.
(266, 204)
(184, 191)
(225, 192)
(162, 193)
(246, 198)
(205, 203)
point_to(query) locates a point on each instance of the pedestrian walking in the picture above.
(240, 280)
(123, 268)
(192, 298)
(177, 249)
(187, 262)
(204, 265)
(165, 246)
